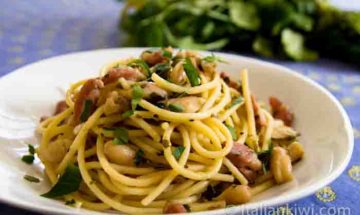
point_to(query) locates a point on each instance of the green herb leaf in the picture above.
(191, 73)
(265, 157)
(160, 105)
(29, 159)
(212, 192)
(70, 202)
(178, 152)
(31, 149)
(232, 131)
(139, 157)
(86, 110)
(236, 101)
(142, 64)
(68, 183)
(137, 95)
(31, 179)
(121, 136)
(162, 69)
(167, 54)
(176, 108)
(127, 114)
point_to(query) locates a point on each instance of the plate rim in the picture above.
(276, 201)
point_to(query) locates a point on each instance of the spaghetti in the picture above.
(167, 133)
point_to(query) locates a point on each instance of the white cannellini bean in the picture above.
(280, 165)
(119, 154)
(238, 194)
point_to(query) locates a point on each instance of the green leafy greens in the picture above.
(295, 29)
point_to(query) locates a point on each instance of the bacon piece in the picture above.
(61, 106)
(153, 58)
(281, 111)
(89, 91)
(130, 74)
(260, 117)
(226, 77)
(245, 159)
(172, 208)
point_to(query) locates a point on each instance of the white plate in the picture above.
(32, 91)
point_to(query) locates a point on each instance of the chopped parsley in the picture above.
(212, 192)
(160, 105)
(236, 101)
(176, 107)
(191, 72)
(86, 110)
(213, 58)
(137, 95)
(265, 157)
(29, 159)
(68, 183)
(127, 114)
(178, 152)
(166, 53)
(142, 64)
(232, 131)
(70, 202)
(31, 149)
(121, 136)
(162, 69)
(139, 157)
(31, 179)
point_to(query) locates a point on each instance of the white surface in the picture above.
(349, 5)
(32, 91)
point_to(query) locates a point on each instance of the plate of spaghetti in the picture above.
(151, 131)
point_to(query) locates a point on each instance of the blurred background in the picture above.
(317, 38)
